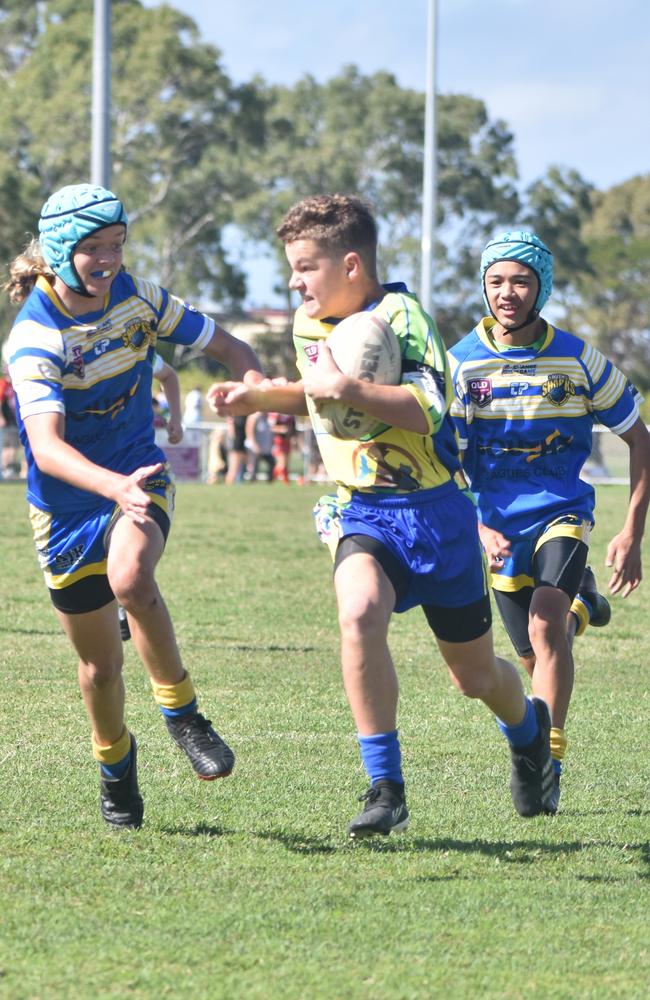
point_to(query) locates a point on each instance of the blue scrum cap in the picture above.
(69, 216)
(528, 249)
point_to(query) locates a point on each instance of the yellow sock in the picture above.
(174, 696)
(558, 743)
(581, 612)
(115, 752)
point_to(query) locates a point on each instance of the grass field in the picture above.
(248, 888)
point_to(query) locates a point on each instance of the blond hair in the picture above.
(24, 270)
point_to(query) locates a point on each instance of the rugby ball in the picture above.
(364, 346)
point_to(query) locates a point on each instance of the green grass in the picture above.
(248, 888)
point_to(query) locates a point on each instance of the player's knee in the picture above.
(135, 590)
(472, 685)
(472, 682)
(546, 631)
(100, 674)
(361, 616)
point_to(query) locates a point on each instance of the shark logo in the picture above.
(558, 388)
(140, 332)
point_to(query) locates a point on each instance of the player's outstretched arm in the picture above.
(235, 355)
(171, 387)
(624, 550)
(55, 457)
(270, 396)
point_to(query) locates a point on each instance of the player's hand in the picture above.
(624, 554)
(130, 495)
(175, 431)
(233, 399)
(497, 547)
(324, 380)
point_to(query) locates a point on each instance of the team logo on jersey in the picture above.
(311, 353)
(390, 465)
(78, 364)
(558, 388)
(554, 444)
(480, 391)
(111, 408)
(140, 332)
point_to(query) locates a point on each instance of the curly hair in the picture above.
(24, 270)
(339, 223)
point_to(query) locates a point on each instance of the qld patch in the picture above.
(480, 390)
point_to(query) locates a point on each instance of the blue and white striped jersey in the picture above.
(524, 418)
(96, 370)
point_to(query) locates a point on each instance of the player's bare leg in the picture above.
(96, 639)
(366, 599)
(478, 673)
(134, 553)
(135, 550)
(553, 672)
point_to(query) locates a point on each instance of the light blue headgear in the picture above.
(69, 216)
(528, 249)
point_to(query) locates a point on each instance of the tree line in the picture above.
(196, 156)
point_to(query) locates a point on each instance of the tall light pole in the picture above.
(100, 165)
(429, 173)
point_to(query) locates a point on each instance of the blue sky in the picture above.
(570, 77)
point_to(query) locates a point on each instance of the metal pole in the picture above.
(429, 173)
(101, 124)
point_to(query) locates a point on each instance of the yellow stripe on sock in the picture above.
(558, 743)
(581, 612)
(115, 752)
(174, 695)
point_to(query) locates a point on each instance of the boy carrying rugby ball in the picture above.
(402, 529)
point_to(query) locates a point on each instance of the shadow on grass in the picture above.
(517, 852)
(251, 647)
(295, 842)
(514, 852)
(269, 648)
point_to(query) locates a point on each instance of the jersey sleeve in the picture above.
(36, 363)
(178, 321)
(459, 408)
(614, 399)
(425, 372)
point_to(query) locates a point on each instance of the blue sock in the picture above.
(523, 733)
(175, 713)
(117, 770)
(557, 766)
(587, 604)
(382, 757)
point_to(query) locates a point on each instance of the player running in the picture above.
(99, 490)
(527, 396)
(402, 531)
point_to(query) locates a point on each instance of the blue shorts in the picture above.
(73, 547)
(433, 533)
(517, 570)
